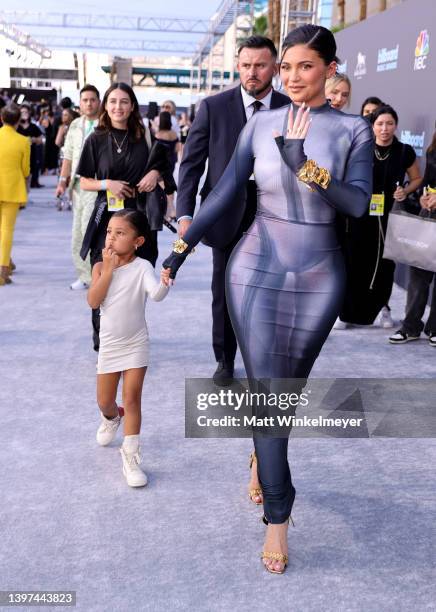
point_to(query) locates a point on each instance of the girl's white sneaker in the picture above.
(107, 430)
(385, 319)
(131, 469)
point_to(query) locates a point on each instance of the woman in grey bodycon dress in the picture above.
(285, 279)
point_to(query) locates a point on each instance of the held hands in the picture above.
(170, 267)
(110, 260)
(165, 277)
(291, 148)
(148, 182)
(120, 189)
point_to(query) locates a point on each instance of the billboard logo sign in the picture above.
(422, 50)
(414, 140)
(360, 70)
(342, 68)
(387, 59)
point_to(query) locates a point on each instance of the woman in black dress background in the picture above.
(116, 158)
(370, 278)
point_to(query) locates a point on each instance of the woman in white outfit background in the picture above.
(120, 285)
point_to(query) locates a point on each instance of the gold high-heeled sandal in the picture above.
(282, 558)
(254, 492)
(276, 557)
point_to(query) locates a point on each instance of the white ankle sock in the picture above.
(131, 443)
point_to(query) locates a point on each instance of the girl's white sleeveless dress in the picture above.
(124, 340)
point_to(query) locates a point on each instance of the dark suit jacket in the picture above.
(213, 136)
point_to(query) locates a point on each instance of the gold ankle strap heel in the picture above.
(252, 493)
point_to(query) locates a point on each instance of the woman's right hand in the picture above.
(171, 265)
(120, 189)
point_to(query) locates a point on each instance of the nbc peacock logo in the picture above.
(422, 50)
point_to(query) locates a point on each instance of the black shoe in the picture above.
(223, 375)
(401, 337)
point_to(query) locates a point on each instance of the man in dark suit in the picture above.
(213, 137)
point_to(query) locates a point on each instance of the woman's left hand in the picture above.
(292, 147)
(298, 127)
(400, 194)
(148, 182)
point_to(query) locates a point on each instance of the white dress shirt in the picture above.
(249, 100)
(249, 111)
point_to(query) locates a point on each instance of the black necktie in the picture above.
(257, 105)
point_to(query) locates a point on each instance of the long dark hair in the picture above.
(432, 146)
(371, 100)
(135, 125)
(165, 121)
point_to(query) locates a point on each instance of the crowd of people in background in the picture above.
(370, 277)
(396, 177)
(46, 125)
(118, 167)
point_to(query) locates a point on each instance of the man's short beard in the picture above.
(256, 91)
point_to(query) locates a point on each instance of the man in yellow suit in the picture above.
(14, 169)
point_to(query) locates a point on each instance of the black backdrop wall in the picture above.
(393, 56)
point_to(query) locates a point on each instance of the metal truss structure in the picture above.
(296, 13)
(236, 14)
(233, 20)
(119, 44)
(24, 40)
(106, 22)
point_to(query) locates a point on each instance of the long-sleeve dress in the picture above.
(285, 279)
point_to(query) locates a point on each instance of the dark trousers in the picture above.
(36, 159)
(417, 297)
(148, 251)
(223, 337)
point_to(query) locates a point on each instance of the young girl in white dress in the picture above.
(120, 286)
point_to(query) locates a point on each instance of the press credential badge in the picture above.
(377, 205)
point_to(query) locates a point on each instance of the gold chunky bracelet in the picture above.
(311, 173)
(180, 246)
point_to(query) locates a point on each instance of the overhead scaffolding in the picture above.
(136, 46)
(296, 13)
(214, 55)
(106, 22)
(23, 40)
(233, 16)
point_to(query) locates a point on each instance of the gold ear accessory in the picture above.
(311, 173)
